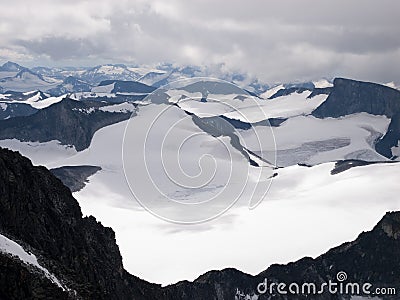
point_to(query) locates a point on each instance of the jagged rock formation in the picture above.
(70, 122)
(350, 96)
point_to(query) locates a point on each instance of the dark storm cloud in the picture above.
(274, 40)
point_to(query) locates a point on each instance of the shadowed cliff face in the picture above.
(39, 212)
(350, 96)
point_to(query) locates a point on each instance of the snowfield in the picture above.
(306, 212)
(40, 153)
(309, 140)
(247, 108)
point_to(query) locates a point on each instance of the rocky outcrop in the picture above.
(346, 164)
(350, 96)
(70, 122)
(75, 177)
(390, 139)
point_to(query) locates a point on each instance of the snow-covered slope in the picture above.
(14, 249)
(246, 108)
(339, 204)
(36, 99)
(112, 72)
(24, 81)
(40, 153)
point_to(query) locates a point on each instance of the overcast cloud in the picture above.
(274, 40)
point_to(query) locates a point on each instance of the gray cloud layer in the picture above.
(274, 40)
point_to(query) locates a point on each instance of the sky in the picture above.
(283, 40)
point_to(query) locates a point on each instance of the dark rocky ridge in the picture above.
(75, 177)
(390, 139)
(121, 86)
(347, 164)
(66, 121)
(39, 212)
(351, 96)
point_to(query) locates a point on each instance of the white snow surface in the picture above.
(40, 153)
(251, 109)
(323, 83)
(396, 150)
(271, 91)
(37, 102)
(103, 88)
(10, 247)
(306, 139)
(281, 229)
(392, 85)
(121, 108)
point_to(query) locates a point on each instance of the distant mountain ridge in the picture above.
(69, 121)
